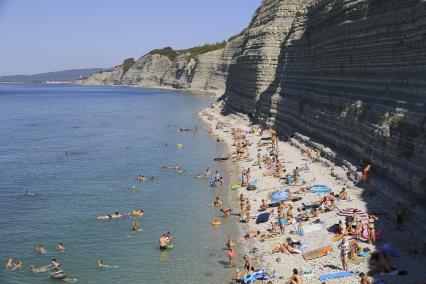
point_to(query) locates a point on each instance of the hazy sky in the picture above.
(49, 35)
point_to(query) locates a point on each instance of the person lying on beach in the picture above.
(251, 234)
(354, 249)
(263, 206)
(295, 278)
(60, 247)
(285, 247)
(225, 212)
(343, 195)
(40, 249)
(218, 202)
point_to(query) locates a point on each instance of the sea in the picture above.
(79, 150)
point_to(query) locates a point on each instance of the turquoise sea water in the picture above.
(112, 135)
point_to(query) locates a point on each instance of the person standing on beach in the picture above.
(371, 230)
(248, 208)
(242, 204)
(295, 279)
(344, 251)
(399, 216)
(364, 279)
(208, 172)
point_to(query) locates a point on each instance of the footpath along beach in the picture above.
(309, 241)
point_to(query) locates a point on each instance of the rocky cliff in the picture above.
(349, 74)
(206, 71)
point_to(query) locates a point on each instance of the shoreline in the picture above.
(323, 172)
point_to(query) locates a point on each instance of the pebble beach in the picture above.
(314, 172)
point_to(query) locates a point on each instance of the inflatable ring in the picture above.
(216, 222)
(170, 246)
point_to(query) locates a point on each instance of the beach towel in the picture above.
(319, 188)
(280, 195)
(262, 218)
(335, 275)
(308, 228)
(348, 212)
(316, 253)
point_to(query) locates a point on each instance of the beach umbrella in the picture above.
(278, 196)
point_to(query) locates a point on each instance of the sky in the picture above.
(51, 35)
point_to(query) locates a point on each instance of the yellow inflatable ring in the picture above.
(216, 222)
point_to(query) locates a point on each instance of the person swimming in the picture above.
(19, 265)
(217, 202)
(40, 249)
(164, 241)
(60, 247)
(29, 193)
(111, 216)
(9, 264)
(102, 265)
(135, 226)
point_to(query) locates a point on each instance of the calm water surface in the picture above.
(112, 135)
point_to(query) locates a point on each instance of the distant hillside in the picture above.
(63, 76)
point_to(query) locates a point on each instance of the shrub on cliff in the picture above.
(166, 51)
(127, 64)
(201, 49)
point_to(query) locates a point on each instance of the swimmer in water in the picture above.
(29, 193)
(135, 226)
(225, 212)
(9, 264)
(40, 249)
(19, 265)
(101, 263)
(217, 202)
(60, 247)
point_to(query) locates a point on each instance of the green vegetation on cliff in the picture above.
(127, 64)
(166, 51)
(193, 51)
(201, 49)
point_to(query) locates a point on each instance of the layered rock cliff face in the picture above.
(207, 71)
(350, 74)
